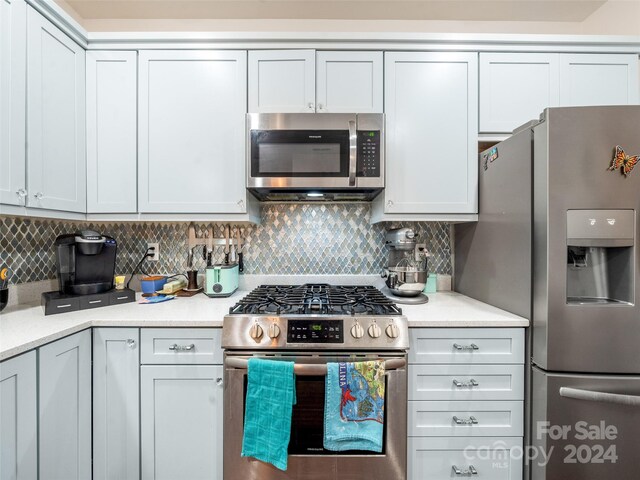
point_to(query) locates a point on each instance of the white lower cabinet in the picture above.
(65, 408)
(181, 422)
(116, 404)
(466, 403)
(488, 458)
(18, 418)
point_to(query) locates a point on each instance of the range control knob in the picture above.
(274, 331)
(357, 331)
(256, 331)
(374, 330)
(392, 330)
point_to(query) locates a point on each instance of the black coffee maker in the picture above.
(86, 262)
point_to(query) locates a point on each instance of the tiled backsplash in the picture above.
(292, 239)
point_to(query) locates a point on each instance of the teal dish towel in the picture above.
(354, 406)
(269, 404)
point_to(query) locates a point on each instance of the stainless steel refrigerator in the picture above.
(558, 242)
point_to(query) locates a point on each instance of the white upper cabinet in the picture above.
(282, 81)
(598, 79)
(516, 88)
(349, 82)
(191, 130)
(13, 57)
(431, 103)
(56, 170)
(111, 132)
(306, 81)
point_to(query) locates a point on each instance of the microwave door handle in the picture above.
(593, 396)
(353, 152)
(312, 369)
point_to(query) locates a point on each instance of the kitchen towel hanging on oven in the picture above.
(354, 406)
(269, 403)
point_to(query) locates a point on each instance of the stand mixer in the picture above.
(406, 272)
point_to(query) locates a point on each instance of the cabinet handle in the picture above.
(181, 348)
(389, 203)
(459, 347)
(464, 473)
(471, 383)
(91, 302)
(320, 106)
(241, 203)
(219, 381)
(22, 193)
(131, 343)
(38, 196)
(311, 106)
(461, 421)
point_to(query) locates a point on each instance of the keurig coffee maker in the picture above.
(86, 262)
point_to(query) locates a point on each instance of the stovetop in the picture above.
(316, 299)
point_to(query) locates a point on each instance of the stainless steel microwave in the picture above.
(315, 156)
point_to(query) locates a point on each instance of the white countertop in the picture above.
(24, 327)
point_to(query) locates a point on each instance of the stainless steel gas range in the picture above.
(313, 325)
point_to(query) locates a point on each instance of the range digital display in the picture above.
(315, 331)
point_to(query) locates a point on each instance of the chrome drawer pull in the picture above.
(464, 473)
(470, 421)
(181, 348)
(470, 384)
(473, 346)
(91, 302)
(66, 305)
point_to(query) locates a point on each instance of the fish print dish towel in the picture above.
(354, 406)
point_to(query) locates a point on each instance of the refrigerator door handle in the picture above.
(592, 396)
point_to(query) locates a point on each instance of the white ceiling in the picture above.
(447, 10)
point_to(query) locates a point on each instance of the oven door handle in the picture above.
(593, 396)
(313, 369)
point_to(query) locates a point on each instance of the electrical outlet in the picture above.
(156, 252)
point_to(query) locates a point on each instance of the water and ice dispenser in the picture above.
(600, 257)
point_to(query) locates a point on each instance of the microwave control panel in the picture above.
(315, 331)
(368, 164)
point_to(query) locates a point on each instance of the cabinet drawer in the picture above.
(465, 419)
(467, 345)
(180, 346)
(491, 458)
(466, 382)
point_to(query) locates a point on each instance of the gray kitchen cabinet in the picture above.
(56, 157)
(13, 69)
(64, 409)
(181, 422)
(111, 132)
(306, 81)
(516, 88)
(191, 130)
(598, 79)
(431, 106)
(19, 418)
(116, 414)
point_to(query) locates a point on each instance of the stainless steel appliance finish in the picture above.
(312, 325)
(321, 156)
(406, 273)
(558, 242)
(406, 281)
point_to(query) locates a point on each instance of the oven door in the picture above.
(302, 150)
(308, 460)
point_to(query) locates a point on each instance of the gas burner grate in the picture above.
(316, 299)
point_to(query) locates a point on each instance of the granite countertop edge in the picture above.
(25, 327)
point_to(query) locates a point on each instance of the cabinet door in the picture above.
(56, 169)
(65, 408)
(516, 88)
(349, 82)
(13, 69)
(111, 132)
(181, 408)
(598, 79)
(191, 153)
(282, 81)
(18, 418)
(116, 418)
(431, 102)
